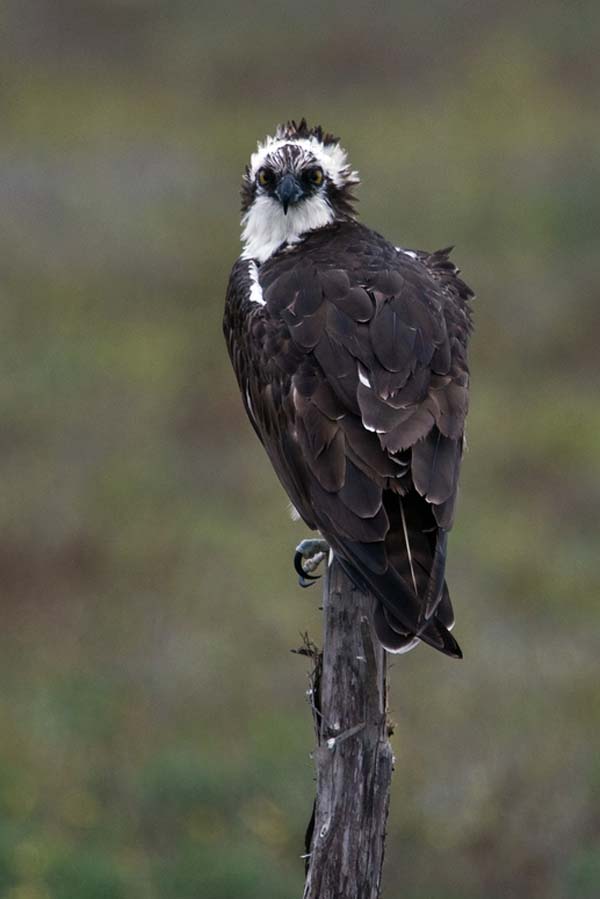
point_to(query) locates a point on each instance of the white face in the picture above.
(316, 168)
(330, 157)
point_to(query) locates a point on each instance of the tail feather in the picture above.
(405, 574)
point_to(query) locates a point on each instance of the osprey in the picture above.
(351, 357)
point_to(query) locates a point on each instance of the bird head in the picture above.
(297, 181)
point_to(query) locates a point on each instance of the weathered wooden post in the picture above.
(354, 761)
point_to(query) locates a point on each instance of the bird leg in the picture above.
(307, 558)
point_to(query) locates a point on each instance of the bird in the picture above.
(351, 357)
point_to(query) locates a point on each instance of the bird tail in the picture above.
(396, 638)
(397, 621)
(405, 573)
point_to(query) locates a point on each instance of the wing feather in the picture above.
(355, 378)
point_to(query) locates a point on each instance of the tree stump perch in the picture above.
(353, 758)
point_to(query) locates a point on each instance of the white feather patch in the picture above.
(256, 294)
(410, 253)
(331, 157)
(250, 406)
(265, 227)
(362, 377)
(399, 652)
(373, 430)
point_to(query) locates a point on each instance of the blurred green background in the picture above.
(154, 731)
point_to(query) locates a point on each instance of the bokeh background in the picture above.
(154, 731)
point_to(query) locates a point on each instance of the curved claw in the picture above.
(308, 556)
(308, 580)
(303, 576)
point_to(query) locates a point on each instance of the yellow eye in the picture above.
(265, 176)
(316, 177)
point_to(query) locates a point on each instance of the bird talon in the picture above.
(308, 580)
(308, 556)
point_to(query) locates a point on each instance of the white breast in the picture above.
(266, 227)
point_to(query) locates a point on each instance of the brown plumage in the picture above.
(351, 360)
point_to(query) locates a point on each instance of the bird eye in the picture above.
(265, 177)
(316, 177)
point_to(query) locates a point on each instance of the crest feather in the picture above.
(301, 131)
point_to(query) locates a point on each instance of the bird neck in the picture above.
(265, 227)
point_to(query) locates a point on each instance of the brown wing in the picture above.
(356, 381)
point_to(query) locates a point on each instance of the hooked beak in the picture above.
(289, 190)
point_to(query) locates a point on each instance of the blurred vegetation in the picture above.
(154, 732)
